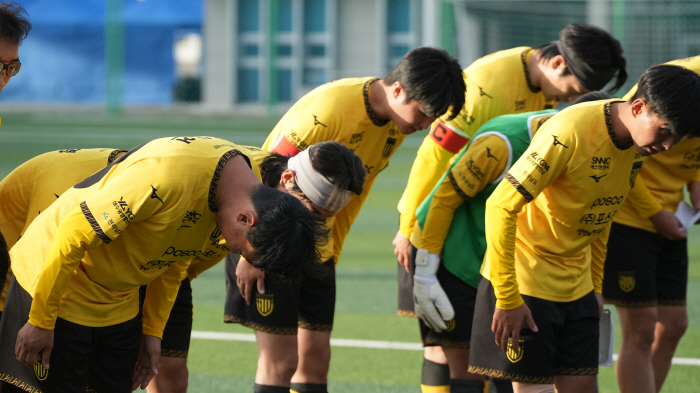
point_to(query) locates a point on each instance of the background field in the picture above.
(366, 274)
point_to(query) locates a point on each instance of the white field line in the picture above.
(345, 342)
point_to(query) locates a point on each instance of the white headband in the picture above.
(315, 186)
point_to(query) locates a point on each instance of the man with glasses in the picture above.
(14, 27)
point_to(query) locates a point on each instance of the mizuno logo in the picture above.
(489, 155)
(155, 196)
(184, 139)
(316, 122)
(481, 92)
(596, 178)
(556, 142)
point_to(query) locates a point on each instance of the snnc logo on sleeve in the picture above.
(40, 371)
(626, 281)
(514, 356)
(265, 303)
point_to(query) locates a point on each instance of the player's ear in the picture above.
(287, 176)
(396, 89)
(247, 218)
(637, 106)
(557, 62)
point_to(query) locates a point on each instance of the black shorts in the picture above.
(643, 269)
(463, 298)
(405, 306)
(178, 329)
(285, 306)
(566, 343)
(83, 358)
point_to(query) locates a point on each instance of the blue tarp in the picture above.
(63, 59)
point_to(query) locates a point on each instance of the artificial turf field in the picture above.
(366, 274)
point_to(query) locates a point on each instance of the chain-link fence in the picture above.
(651, 32)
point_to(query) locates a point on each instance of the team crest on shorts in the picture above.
(450, 325)
(514, 356)
(388, 147)
(265, 304)
(40, 371)
(626, 281)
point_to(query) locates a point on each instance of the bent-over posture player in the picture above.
(323, 177)
(33, 186)
(448, 243)
(517, 80)
(78, 266)
(646, 270)
(371, 117)
(541, 289)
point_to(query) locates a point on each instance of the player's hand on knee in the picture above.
(34, 344)
(431, 302)
(507, 324)
(402, 250)
(248, 275)
(147, 362)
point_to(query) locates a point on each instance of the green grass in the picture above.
(367, 287)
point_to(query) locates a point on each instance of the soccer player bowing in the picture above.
(646, 269)
(370, 116)
(547, 225)
(79, 265)
(449, 245)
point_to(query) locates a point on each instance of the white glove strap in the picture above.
(426, 263)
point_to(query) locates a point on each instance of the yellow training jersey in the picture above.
(497, 84)
(339, 111)
(36, 184)
(480, 165)
(665, 174)
(138, 221)
(214, 254)
(561, 196)
(484, 162)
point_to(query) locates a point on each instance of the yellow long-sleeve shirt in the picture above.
(561, 197)
(37, 183)
(666, 174)
(140, 220)
(497, 84)
(485, 161)
(339, 111)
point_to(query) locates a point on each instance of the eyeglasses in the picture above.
(11, 69)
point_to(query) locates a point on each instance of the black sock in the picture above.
(435, 374)
(270, 389)
(466, 386)
(309, 387)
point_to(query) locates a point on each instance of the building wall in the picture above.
(359, 32)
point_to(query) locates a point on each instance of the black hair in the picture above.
(287, 236)
(331, 159)
(673, 93)
(595, 51)
(432, 77)
(592, 96)
(14, 25)
(4, 261)
(272, 168)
